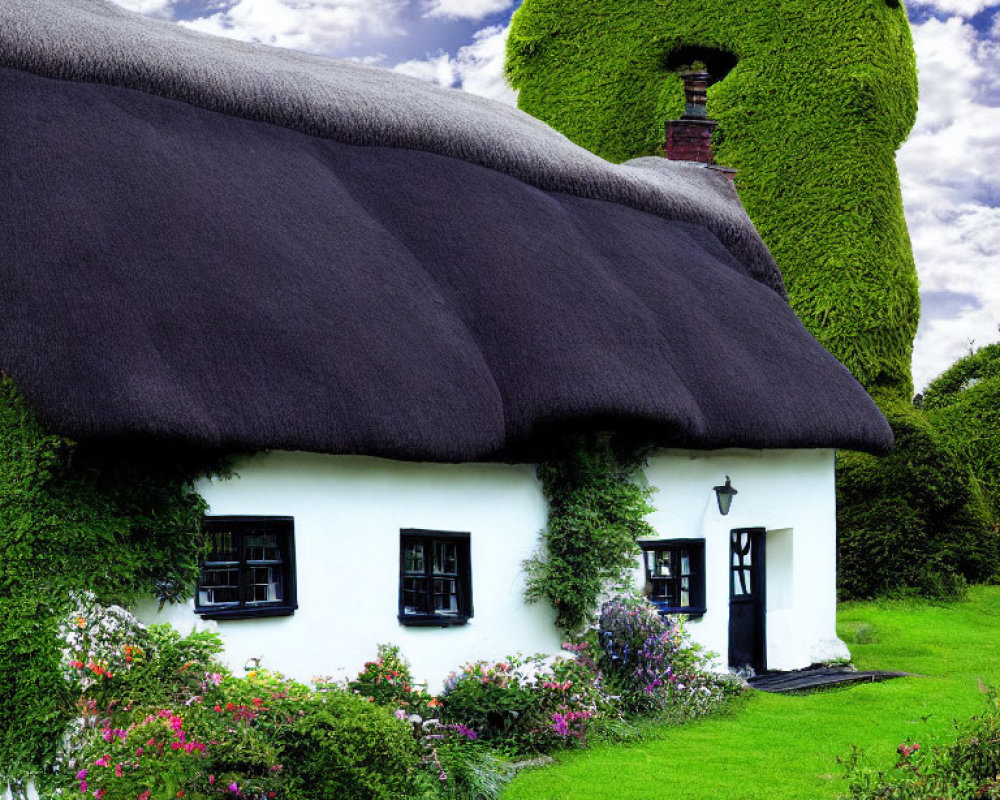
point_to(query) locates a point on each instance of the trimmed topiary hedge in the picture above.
(911, 522)
(964, 404)
(811, 115)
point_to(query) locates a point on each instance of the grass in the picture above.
(781, 747)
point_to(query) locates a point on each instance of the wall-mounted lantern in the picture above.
(725, 494)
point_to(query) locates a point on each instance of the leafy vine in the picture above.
(598, 499)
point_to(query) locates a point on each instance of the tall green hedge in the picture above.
(118, 522)
(964, 404)
(912, 522)
(821, 97)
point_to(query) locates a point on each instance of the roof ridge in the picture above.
(98, 42)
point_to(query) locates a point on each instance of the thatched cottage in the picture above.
(396, 294)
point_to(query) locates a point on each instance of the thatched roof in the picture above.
(221, 243)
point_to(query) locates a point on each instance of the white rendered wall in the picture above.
(348, 513)
(791, 494)
(349, 510)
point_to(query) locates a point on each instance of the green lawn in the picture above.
(786, 747)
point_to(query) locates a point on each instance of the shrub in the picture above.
(647, 661)
(526, 705)
(159, 718)
(345, 747)
(910, 522)
(964, 405)
(969, 768)
(388, 681)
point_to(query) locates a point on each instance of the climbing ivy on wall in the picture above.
(598, 499)
(820, 98)
(122, 523)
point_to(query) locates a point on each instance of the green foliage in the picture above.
(911, 522)
(346, 747)
(968, 768)
(964, 405)
(598, 500)
(388, 681)
(500, 702)
(157, 716)
(648, 663)
(811, 115)
(475, 770)
(118, 521)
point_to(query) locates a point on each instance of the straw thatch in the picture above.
(218, 243)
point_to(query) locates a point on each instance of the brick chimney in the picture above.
(690, 137)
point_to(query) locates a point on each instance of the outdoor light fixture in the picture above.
(725, 494)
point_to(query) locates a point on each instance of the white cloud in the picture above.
(151, 8)
(950, 184)
(476, 68)
(465, 9)
(319, 26)
(965, 8)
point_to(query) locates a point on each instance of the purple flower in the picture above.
(466, 731)
(81, 774)
(234, 787)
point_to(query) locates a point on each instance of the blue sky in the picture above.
(949, 168)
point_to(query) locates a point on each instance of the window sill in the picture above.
(245, 613)
(430, 621)
(690, 611)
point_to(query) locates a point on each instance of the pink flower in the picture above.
(102, 762)
(83, 786)
(118, 770)
(234, 787)
(81, 774)
(211, 780)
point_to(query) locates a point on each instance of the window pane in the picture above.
(664, 564)
(219, 587)
(223, 547)
(685, 563)
(445, 558)
(685, 598)
(415, 596)
(413, 558)
(445, 596)
(265, 585)
(262, 547)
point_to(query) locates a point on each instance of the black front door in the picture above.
(746, 598)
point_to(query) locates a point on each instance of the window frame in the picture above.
(463, 578)
(284, 528)
(696, 574)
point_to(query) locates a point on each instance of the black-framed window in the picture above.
(675, 575)
(435, 577)
(249, 570)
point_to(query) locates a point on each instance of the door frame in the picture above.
(758, 581)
